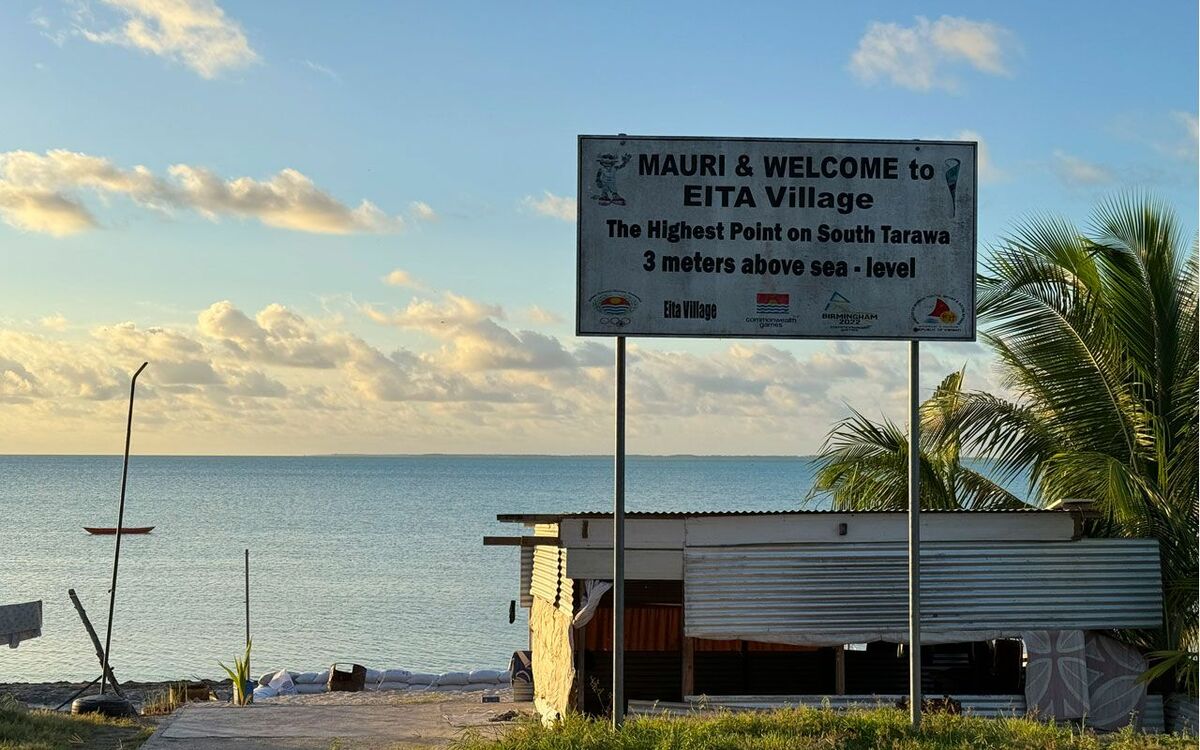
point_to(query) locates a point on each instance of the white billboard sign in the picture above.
(769, 238)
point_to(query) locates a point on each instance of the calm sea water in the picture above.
(376, 560)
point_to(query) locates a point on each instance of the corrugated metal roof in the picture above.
(827, 594)
(673, 514)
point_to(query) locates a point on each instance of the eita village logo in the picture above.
(843, 315)
(937, 312)
(614, 307)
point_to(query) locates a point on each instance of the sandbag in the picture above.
(307, 678)
(451, 678)
(309, 688)
(385, 685)
(373, 676)
(395, 675)
(505, 677)
(263, 692)
(422, 678)
(484, 676)
(282, 683)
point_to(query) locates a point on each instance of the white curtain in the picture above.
(593, 592)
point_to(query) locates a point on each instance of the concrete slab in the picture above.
(301, 727)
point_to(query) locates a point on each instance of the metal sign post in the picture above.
(914, 533)
(618, 692)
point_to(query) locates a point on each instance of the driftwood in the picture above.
(95, 642)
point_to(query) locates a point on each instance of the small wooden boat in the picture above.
(113, 529)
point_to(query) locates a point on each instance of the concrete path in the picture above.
(201, 726)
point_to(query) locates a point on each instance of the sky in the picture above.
(350, 227)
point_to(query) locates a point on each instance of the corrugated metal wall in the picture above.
(548, 581)
(526, 577)
(829, 594)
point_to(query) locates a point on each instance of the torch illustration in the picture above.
(952, 183)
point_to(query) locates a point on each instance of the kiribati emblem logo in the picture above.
(768, 303)
(614, 307)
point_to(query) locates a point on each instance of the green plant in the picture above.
(863, 464)
(240, 675)
(164, 702)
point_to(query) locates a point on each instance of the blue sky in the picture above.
(457, 123)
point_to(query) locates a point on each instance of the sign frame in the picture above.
(968, 335)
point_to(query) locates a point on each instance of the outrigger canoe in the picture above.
(113, 529)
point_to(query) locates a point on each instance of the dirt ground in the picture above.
(347, 721)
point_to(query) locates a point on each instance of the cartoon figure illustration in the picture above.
(606, 179)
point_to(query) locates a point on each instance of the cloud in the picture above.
(276, 336)
(475, 340)
(554, 206)
(1076, 172)
(323, 70)
(542, 316)
(288, 200)
(41, 193)
(401, 278)
(917, 57)
(277, 380)
(988, 172)
(56, 322)
(422, 211)
(1172, 134)
(196, 33)
(1185, 144)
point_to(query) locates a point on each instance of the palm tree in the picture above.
(863, 464)
(1096, 337)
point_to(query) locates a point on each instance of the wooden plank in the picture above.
(839, 670)
(689, 665)
(520, 541)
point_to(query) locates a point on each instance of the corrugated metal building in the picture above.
(781, 603)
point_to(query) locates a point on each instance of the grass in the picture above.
(25, 729)
(163, 702)
(813, 729)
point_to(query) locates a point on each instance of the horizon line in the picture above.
(407, 455)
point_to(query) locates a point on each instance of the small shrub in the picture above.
(240, 675)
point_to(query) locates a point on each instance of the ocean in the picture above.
(374, 560)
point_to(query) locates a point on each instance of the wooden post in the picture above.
(839, 670)
(689, 667)
(579, 642)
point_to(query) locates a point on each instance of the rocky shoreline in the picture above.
(51, 694)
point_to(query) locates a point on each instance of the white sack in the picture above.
(282, 683)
